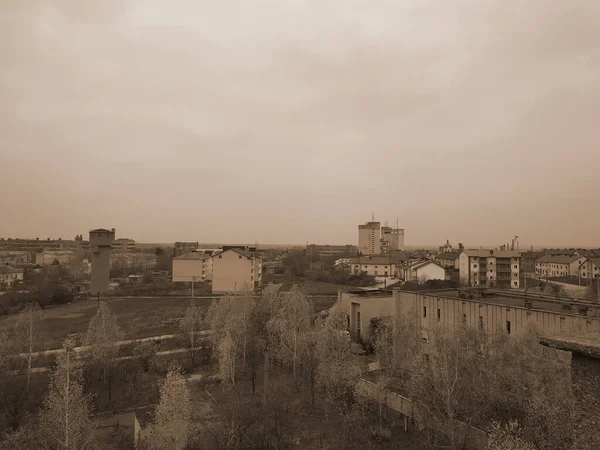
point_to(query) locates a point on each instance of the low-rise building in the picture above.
(47, 257)
(498, 312)
(448, 260)
(123, 245)
(9, 275)
(236, 270)
(375, 265)
(559, 266)
(15, 257)
(133, 261)
(193, 266)
(325, 251)
(181, 248)
(528, 260)
(590, 269)
(422, 271)
(491, 268)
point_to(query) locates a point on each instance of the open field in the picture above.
(139, 317)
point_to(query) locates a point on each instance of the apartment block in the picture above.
(559, 265)
(15, 257)
(590, 269)
(194, 266)
(9, 275)
(369, 237)
(123, 245)
(236, 270)
(325, 251)
(392, 239)
(490, 268)
(48, 257)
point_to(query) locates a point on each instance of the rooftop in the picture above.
(193, 256)
(482, 253)
(374, 259)
(588, 345)
(448, 256)
(558, 259)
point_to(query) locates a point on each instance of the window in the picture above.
(239, 256)
(508, 326)
(439, 313)
(376, 267)
(220, 256)
(514, 283)
(516, 267)
(474, 266)
(424, 311)
(481, 322)
(464, 318)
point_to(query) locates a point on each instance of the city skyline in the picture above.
(292, 123)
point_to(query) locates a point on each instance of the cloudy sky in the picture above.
(286, 121)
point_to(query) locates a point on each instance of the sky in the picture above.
(292, 121)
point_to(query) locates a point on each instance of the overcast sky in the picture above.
(284, 121)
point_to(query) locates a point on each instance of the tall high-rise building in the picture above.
(391, 239)
(369, 236)
(101, 241)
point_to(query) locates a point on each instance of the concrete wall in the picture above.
(493, 317)
(188, 270)
(233, 272)
(369, 307)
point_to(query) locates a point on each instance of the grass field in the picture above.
(138, 317)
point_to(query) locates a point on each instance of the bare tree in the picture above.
(190, 326)
(102, 337)
(507, 437)
(28, 334)
(338, 368)
(289, 327)
(65, 421)
(171, 427)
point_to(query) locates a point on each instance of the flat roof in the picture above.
(588, 345)
(513, 299)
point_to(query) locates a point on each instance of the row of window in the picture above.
(464, 316)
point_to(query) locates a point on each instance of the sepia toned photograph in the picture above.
(298, 225)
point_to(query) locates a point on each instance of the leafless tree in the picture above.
(102, 337)
(28, 333)
(171, 427)
(338, 368)
(65, 421)
(190, 326)
(289, 327)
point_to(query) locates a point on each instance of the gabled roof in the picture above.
(448, 256)
(375, 259)
(561, 259)
(423, 264)
(193, 256)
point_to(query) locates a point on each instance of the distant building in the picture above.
(101, 241)
(375, 265)
(422, 271)
(559, 266)
(446, 248)
(139, 261)
(236, 270)
(448, 260)
(528, 260)
(15, 257)
(36, 244)
(392, 239)
(193, 266)
(181, 248)
(47, 257)
(124, 245)
(9, 275)
(326, 251)
(490, 268)
(369, 237)
(590, 269)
